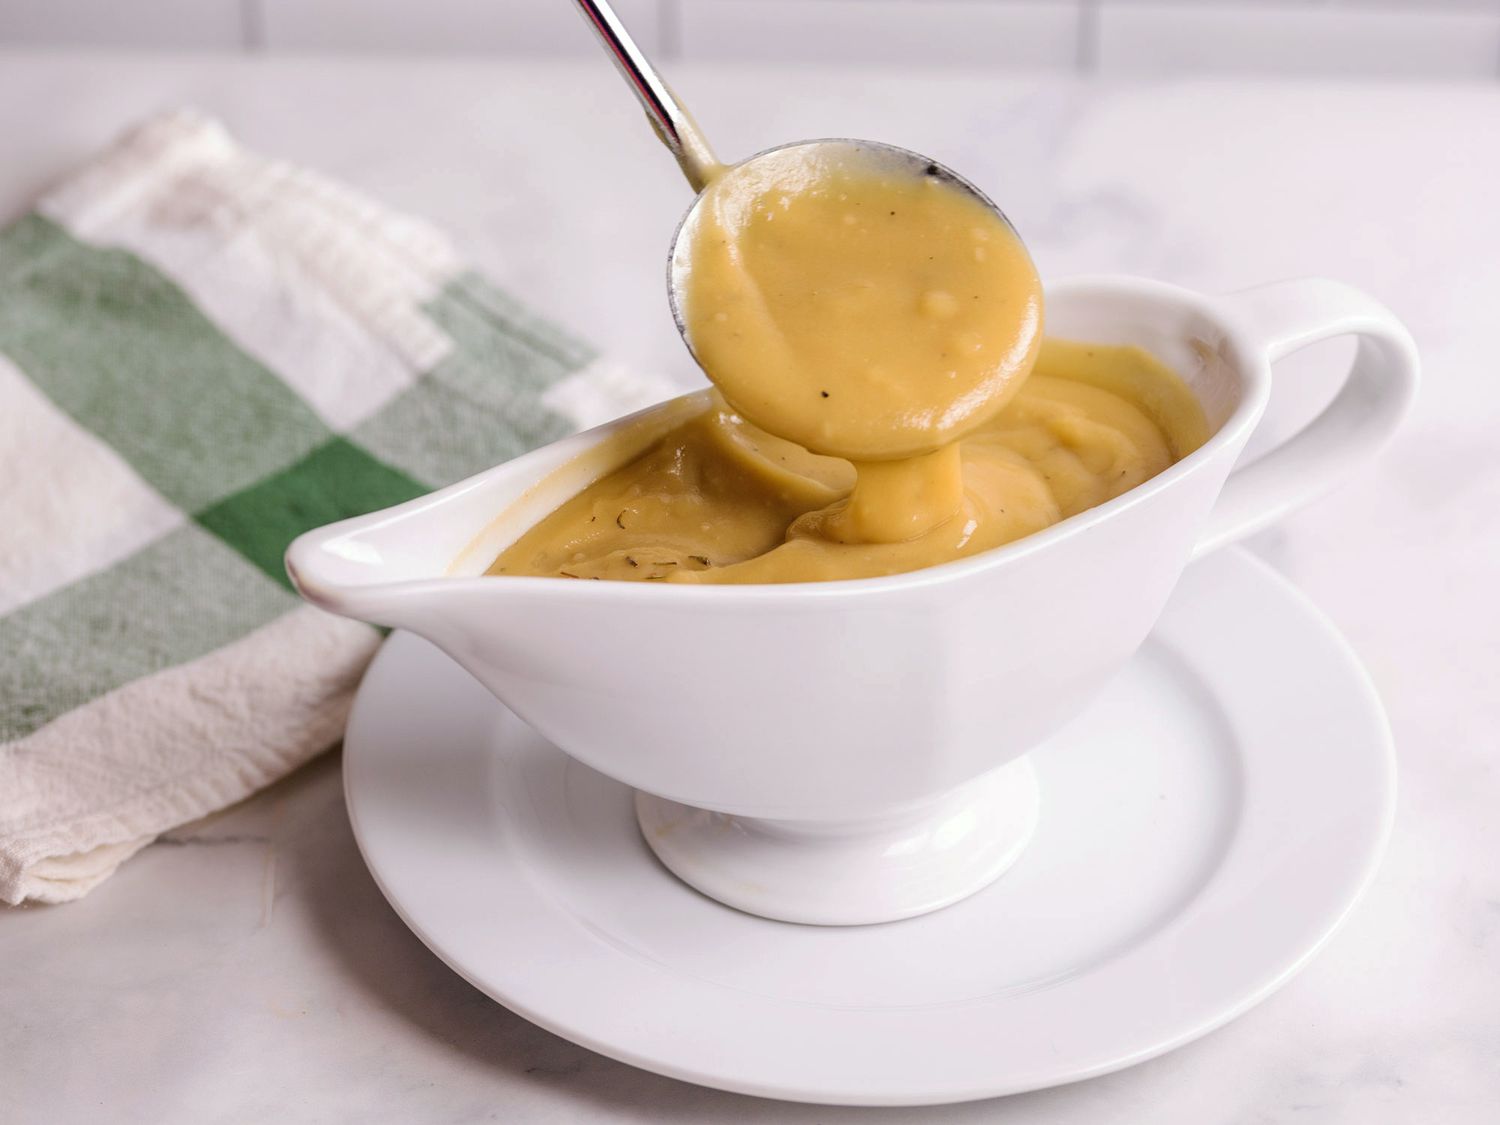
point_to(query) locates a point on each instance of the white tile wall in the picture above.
(922, 32)
(125, 23)
(1423, 38)
(516, 27)
(1434, 41)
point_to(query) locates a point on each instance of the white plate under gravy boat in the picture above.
(1210, 820)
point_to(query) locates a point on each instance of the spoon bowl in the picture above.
(785, 163)
(793, 281)
(788, 164)
(904, 421)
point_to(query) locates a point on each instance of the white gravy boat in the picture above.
(845, 752)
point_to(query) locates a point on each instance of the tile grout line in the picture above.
(252, 26)
(1087, 60)
(669, 29)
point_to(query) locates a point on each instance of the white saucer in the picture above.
(1204, 828)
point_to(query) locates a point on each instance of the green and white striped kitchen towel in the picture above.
(204, 353)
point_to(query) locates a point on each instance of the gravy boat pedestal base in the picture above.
(879, 869)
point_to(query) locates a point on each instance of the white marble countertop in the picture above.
(247, 969)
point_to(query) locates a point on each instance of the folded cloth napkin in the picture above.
(204, 353)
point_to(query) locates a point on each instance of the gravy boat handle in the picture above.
(1285, 317)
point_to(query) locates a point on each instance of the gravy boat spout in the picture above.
(412, 565)
(854, 751)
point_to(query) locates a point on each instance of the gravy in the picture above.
(885, 399)
(718, 500)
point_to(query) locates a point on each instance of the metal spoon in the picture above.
(680, 133)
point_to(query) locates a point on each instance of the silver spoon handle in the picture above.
(673, 124)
